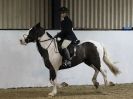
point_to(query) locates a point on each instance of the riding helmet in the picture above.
(64, 10)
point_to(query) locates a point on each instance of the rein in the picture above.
(46, 41)
(52, 39)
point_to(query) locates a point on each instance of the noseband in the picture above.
(25, 36)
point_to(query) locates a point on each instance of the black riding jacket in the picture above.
(66, 30)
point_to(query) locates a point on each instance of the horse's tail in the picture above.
(109, 63)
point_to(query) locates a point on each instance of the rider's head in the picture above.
(63, 12)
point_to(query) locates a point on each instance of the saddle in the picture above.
(71, 47)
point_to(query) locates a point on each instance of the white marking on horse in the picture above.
(54, 57)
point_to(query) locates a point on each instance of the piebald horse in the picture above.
(91, 53)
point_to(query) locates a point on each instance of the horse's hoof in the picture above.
(111, 84)
(64, 84)
(96, 85)
(51, 94)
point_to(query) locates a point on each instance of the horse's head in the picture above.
(33, 35)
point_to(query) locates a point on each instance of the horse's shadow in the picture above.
(78, 93)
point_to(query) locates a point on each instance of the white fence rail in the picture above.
(22, 66)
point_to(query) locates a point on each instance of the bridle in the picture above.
(52, 39)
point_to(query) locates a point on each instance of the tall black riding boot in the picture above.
(67, 57)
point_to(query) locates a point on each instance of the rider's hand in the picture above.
(58, 38)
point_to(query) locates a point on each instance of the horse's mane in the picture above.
(43, 31)
(49, 35)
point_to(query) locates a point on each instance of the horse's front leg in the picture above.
(53, 82)
(54, 91)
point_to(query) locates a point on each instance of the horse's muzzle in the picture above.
(22, 42)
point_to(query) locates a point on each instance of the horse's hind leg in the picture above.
(94, 78)
(104, 74)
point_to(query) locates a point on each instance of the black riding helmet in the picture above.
(64, 10)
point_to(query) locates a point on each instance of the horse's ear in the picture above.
(38, 25)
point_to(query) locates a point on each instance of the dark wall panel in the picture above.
(100, 14)
(23, 14)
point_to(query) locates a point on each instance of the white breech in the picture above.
(65, 44)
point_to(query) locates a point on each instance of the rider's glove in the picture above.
(58, 38)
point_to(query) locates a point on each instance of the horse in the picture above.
(91, 53)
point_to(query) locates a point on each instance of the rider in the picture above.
(66, 35)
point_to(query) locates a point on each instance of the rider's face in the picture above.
(63, 15)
